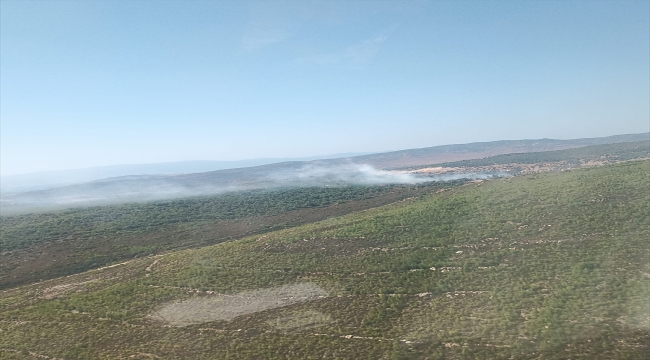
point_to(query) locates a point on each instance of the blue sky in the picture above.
(91, 83)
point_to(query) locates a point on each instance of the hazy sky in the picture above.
(89, 83)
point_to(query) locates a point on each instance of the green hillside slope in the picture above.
(550, 266)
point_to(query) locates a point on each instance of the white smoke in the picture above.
(364, 174)
(162, 187)
(343, 174)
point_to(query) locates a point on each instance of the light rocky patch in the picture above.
(227, 307)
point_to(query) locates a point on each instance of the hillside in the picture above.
(45, 245)
(551, 265)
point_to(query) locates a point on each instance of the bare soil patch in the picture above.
(227, 307)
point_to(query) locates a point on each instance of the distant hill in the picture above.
(365, 170)
(449, 153)
(545, 161)
(387, 160)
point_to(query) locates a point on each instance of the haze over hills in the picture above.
(57, 178)
(386, 160)
(370, 169)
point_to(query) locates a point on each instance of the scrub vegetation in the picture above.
(549, 266)
(50, 244)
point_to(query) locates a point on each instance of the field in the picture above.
(552, 266)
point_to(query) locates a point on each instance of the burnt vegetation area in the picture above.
(550, 266)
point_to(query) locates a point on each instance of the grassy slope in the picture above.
(544, 266)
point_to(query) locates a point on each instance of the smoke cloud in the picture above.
(159, 187)
(344, 174)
